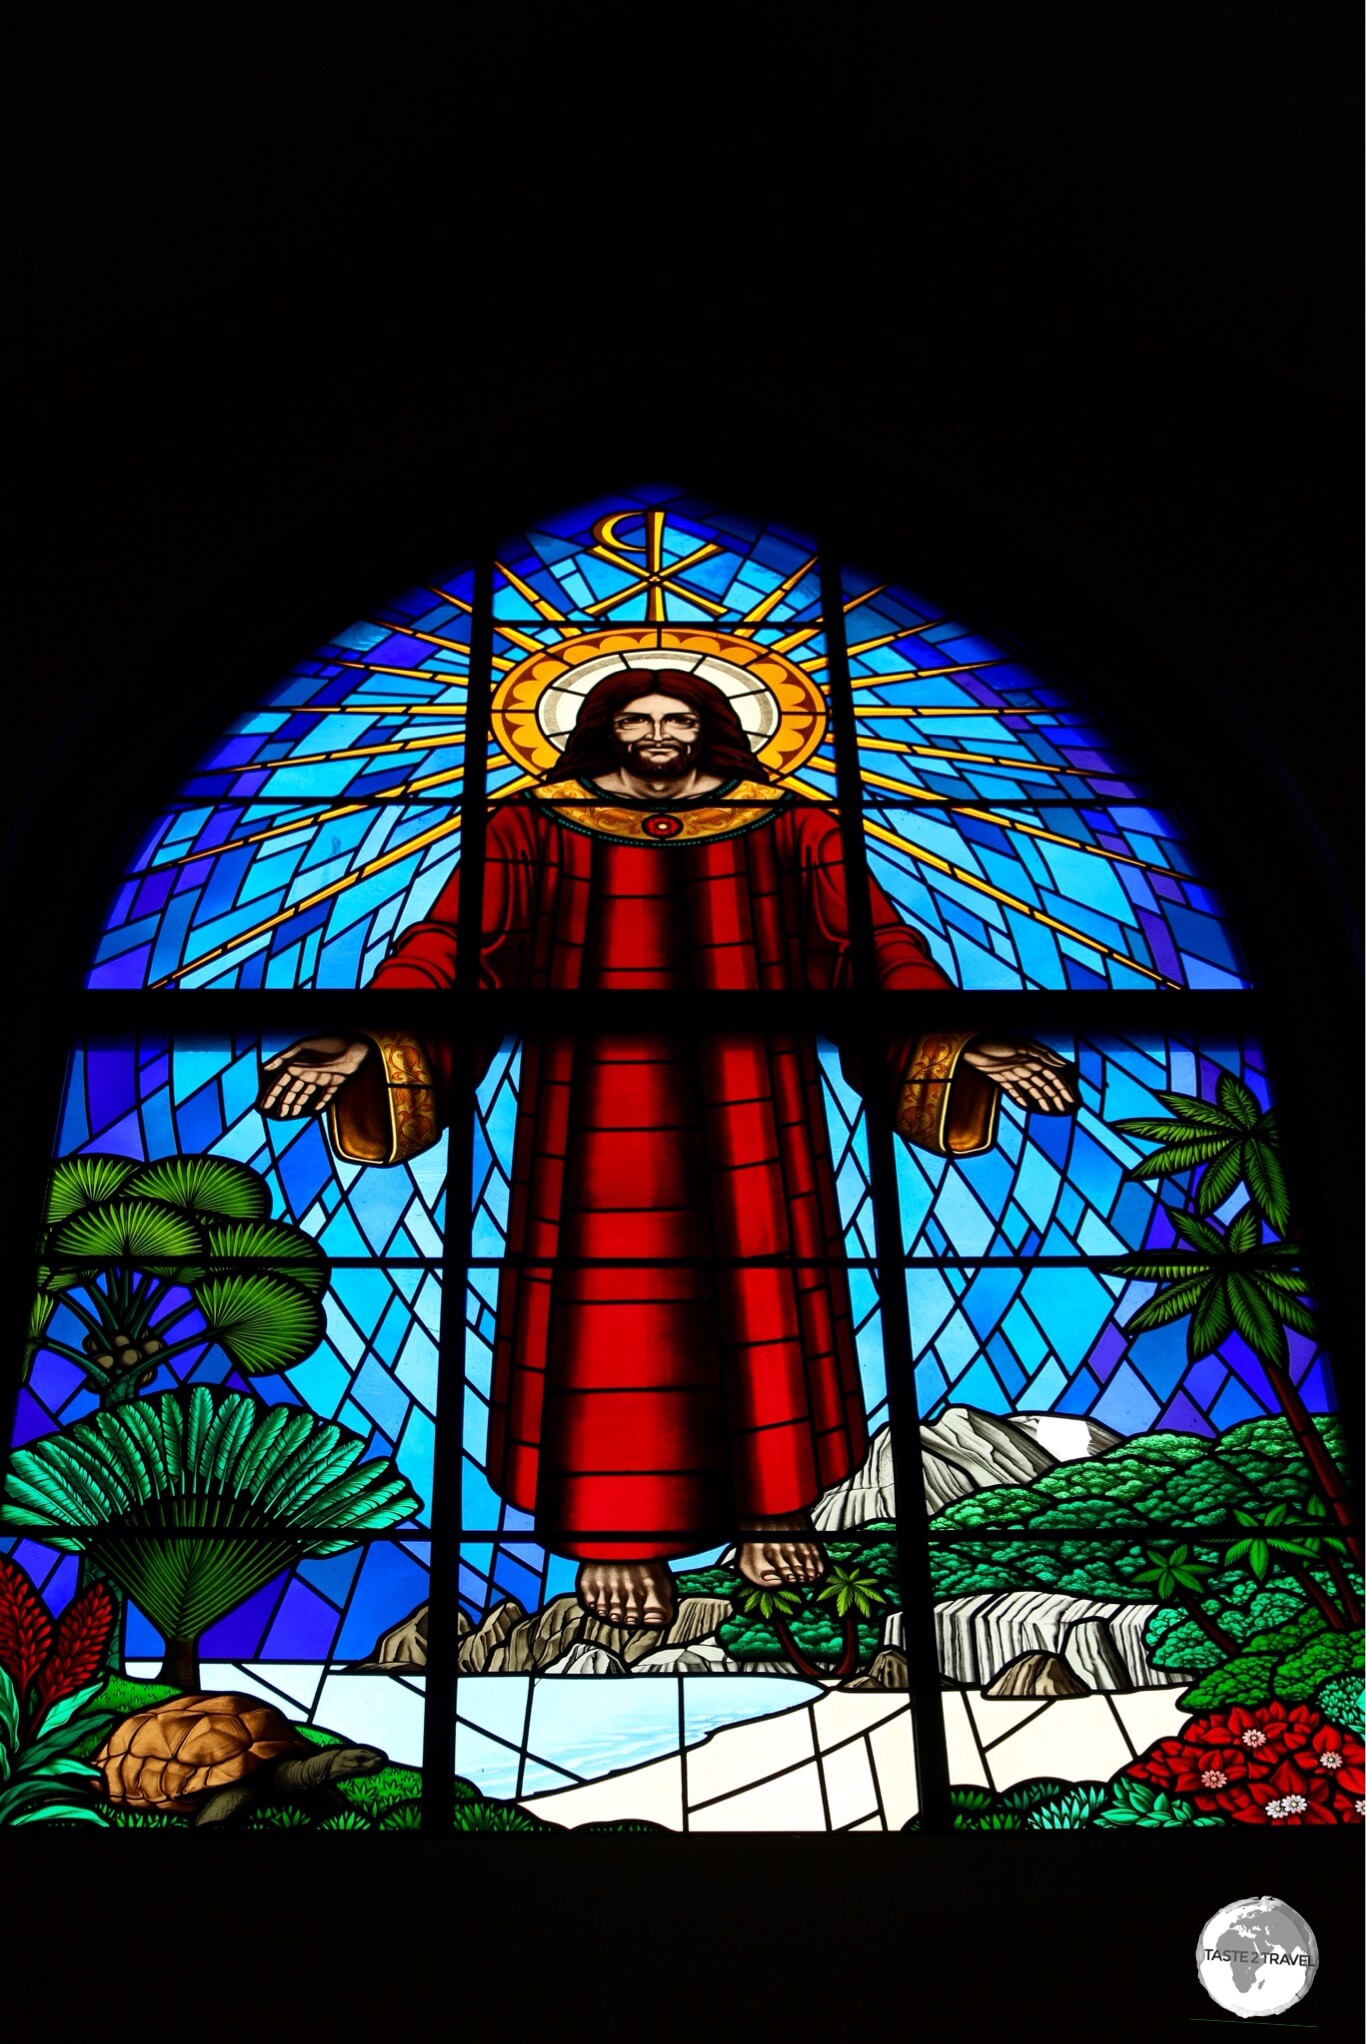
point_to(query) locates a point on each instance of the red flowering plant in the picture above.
(48, 1676)
(1277, 1763)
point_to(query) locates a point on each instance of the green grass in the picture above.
(388, 1801)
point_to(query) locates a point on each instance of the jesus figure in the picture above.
(674, 1359)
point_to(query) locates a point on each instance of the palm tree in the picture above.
(131, 1250)
(1176, 1577)
(191, 1501)
(1327, 1549)
(1230, 1279)
(1230, 1137)
(1263, 1543)
(854, 1596)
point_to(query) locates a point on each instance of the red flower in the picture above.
(1203, 1771)
(1275, 1764)
(1273, 1730)
(1338, 1755)
(1289, 1796)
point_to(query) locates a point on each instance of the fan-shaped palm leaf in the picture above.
(141, 1232)
(179, 1535)
(273, 1246)
(1238, 1100)
(205, 1186)
(1265, 1176)
(75, 1183)
(264, 1323)
(40, 1315)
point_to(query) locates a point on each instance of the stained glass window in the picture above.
(672, 1273)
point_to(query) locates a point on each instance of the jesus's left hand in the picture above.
(1028, 1073)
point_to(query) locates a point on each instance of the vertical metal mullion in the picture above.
(438, 1726)
(912, 1517)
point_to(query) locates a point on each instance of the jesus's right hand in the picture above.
(304, 1078)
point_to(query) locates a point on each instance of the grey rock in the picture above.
(583, 1659)
(888, 1671)
(404, 1646)
(870, 1493)
(963, 1451)
(1065, 1437)
(479, 1649)
(1036, 1675)
(696, 1618)
(701, 1657)
(1088, 1647)
(978, 1635)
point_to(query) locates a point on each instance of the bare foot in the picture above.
(768, 1559)
(627, 1593)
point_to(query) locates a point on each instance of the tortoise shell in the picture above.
(166, 1757)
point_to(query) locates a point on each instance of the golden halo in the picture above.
(536, 705)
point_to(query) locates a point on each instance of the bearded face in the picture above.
(657, 738)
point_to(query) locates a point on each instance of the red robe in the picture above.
(650, 1388)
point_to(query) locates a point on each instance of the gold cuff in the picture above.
(387, 1111)
(945, 1106)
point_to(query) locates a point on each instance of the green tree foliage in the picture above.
(1228, 1138)
(862, 1584)
(193, 1500)
(132, 1249)
(1174, 1640)
(1341, 1702)
(1173, 1486)
(1224, 1279)
(1289, 1663)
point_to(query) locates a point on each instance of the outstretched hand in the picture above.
(303, 1079)
(1027, 1073)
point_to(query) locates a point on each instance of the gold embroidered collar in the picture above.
(726, 811)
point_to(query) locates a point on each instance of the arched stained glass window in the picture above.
(707, 1247)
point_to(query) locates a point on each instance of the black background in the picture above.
(1053, 314)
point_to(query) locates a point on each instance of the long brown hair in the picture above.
(723, 748)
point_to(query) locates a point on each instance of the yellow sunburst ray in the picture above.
(378, 667)
(371, 710)
(310, 819)
(540, 604)
(934, 709)
(977, 886)
(769, 603)
(419, 843)
(913, 673)
(805, 632)
(1015, 764)
(389, 745)
(1001, 819)
(449, 596)
(455, 645)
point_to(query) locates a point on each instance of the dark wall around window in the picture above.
(1057, 327)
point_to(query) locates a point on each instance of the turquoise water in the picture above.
(578, 1728)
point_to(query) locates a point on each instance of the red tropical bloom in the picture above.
(1199, 1768)
(1275, 1764)
(1288, 1796)
(1271, 1731)
(1338, 1755)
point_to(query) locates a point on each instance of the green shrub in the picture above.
(1137, 1803)
(1341, 1702)
(1288, 1664)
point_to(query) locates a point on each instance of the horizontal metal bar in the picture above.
(684, 1011)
